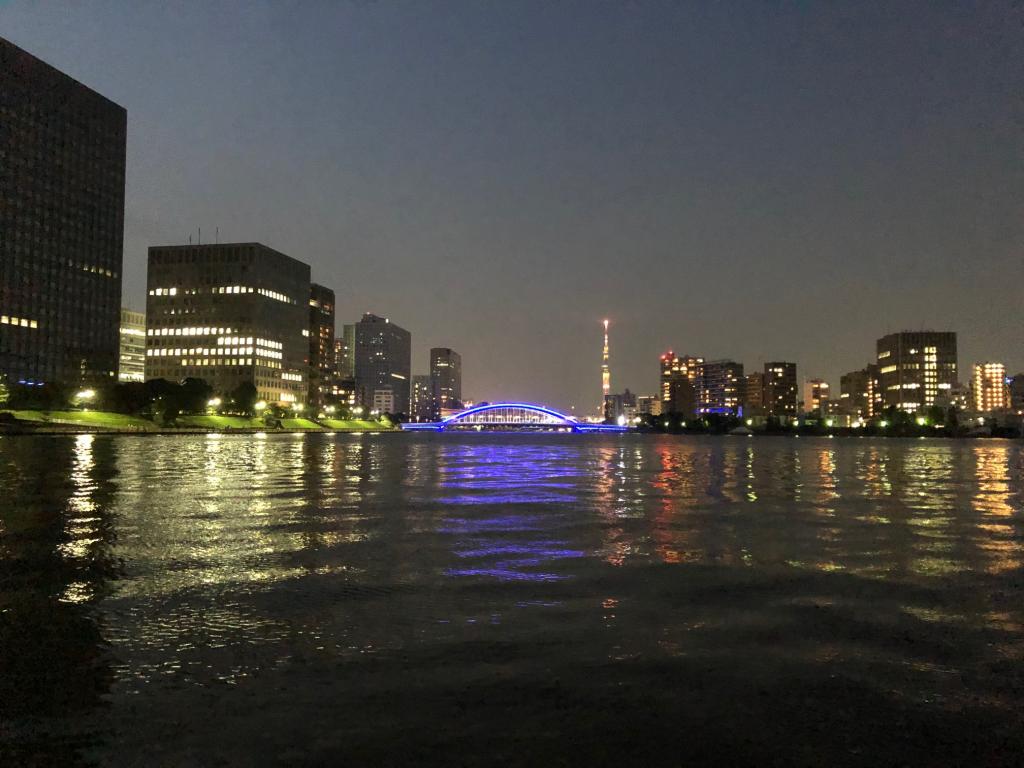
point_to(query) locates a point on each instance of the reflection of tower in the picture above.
(606, 374)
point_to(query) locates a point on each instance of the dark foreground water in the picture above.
(542, 600)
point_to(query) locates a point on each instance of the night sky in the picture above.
(772, 180)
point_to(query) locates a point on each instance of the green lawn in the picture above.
(220, 422)
(355, 424)
(86, 418)
(299, 424)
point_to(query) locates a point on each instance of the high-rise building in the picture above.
(680, 382)
(988, 387)
(620, 408)
(132, 362)
(421, 407)
(857, 391)
(648, 405)
(780, 390)
(345, 352)
(62, 171)
(1016, 387)
(321, 344)
(383, 359)
(816, 397)
(446, 379)
(916, 368)
(229, 314)
(721, 387)
(753, 393)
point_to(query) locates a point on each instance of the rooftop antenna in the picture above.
(217, 236)
(200, 236)
(190, 238)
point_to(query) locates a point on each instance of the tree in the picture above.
(193, 395)
(244, 397)
(5, 392)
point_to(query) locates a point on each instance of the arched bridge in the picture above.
(511, 417)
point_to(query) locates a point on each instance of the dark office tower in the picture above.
(229, 314)
(422, 406)
(859, 394)
(62, 162)
(383, 356)
(916, 368)
(721, 387)
(446, 378)
(321, 344)
(855, 393)
(345, 352)
(1016, 387)
(680, 380)
(780, 390)
(753, 393)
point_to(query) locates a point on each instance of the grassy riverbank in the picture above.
(103, 421)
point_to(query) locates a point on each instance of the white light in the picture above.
(214, 402)
(260, 405)
(86, 394)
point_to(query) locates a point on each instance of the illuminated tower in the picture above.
(606, 374)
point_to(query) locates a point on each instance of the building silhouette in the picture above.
(62, 172)
(321, 344)
(445, 379)
(780, 390)
(383, 359)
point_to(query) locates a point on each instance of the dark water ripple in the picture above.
(583, 600)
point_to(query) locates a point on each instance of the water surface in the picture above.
(475, 599)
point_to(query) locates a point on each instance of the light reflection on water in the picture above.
(141, 573)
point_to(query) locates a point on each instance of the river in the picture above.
(401, 599)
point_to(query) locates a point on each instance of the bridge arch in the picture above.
(512, 416)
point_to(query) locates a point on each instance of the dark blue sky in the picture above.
(772, 180)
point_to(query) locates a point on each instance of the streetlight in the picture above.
(213, 402)
(84, 397)
(297, 407)
(260, 405)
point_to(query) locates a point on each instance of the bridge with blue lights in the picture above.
(511, 417)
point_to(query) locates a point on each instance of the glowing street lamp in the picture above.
(261, 405)
(214, 402)
(297, 407)
(86, 394)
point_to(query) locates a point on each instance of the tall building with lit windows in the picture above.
(383, 359)
(680, 383)
(321, 344)
(446, 378)
(859, 393)
(916, 368)
(345, 352)
(229, 313)
(421, 406)
(780, 390)
(989, 387)
(816, 397)
(62, 171)
(132, 362)
(722, 386)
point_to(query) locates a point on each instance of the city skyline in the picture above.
(818, 233)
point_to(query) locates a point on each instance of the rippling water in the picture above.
(445, 599)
